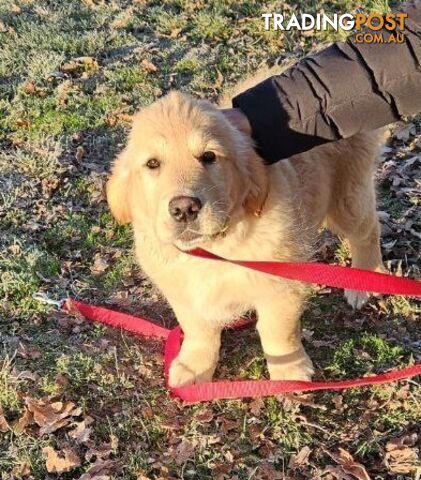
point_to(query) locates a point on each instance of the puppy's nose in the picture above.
(184, 209)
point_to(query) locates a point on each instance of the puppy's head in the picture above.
(187, 172)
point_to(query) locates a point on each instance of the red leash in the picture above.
(331, 275)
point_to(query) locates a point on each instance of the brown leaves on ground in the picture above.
(20, 426)
(80, 66)
(100, 264)
(28, 351)
(149, 66)
(184, 451)
(59, 462)
(50, 416)
(4, 424)
(81, 432)
(347, 468)
(21, 470)
(398, 180)
(118, 117)
(103, 466)
(403, 454)
(219, 79)
(404, 131)
(47, 414)
(99, 470)
(80, 153)
(300, 459)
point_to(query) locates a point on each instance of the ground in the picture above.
(80, 401)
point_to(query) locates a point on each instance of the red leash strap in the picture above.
(224, 389)
(137, 325)
(331, 275)
(204, 392)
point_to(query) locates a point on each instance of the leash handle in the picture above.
(44, 298)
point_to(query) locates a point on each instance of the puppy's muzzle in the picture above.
(184, 209)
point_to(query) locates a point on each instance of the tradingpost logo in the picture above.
(367, 27)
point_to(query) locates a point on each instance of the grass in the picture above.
(71, 76)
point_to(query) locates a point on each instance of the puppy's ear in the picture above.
(118, 190)
(238, 119)
(258, 186)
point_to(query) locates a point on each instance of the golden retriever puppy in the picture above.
(188, 178)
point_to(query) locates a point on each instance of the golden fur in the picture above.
(249, 212)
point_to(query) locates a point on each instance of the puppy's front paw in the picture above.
(301, 369)
(356, 299)
(182, 374)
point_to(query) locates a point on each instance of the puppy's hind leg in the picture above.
(354, 217)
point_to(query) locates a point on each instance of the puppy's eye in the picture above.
(153, 163)
(208, 157)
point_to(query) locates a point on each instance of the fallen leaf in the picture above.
(80, 431)
(28, 351)
(227, 424)
(125, 117)
(80, 153)
(402, 442)
(61, 381)
(149, 66)
(219, 79)
(91, 61)
(175, 32)
(15, 9)
(21, 122)
(402, 454)
(102, 452)
(51, 416)
(113, 442)
(119, 23)
(404, 131)
(205, 417)
(4, 425)
(29, 88)
(184, 451)
(21, 470)
(299, 459)
(20, 425)
(99, 470)
(78, 64)
(70, 67)
(100, 264)
(337, 473)
(59, 464)
(348, 467)
(26, 375)
(256, 406)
